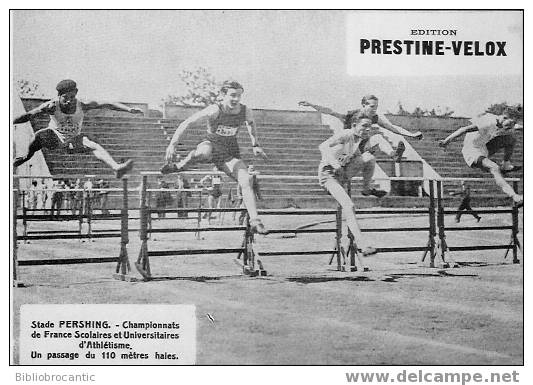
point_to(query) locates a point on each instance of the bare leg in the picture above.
(340, 195)
(100, 153)
(236, 169)
(35, 146)
(369, 165)
(494, 169)
(202, 153)
(382, 144)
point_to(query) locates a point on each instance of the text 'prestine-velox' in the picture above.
(430, 47)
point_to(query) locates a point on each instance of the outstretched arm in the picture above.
(323, 110)
(209, 112)
(93, 105)
(326, 147)
(386, 123)
(252, 132)
(457, 133)
(47, 108)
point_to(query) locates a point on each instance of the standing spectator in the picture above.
(213, 185)
(77, 197)
(182, 183)
(87, 195)
(33, 195)
(41, 195)
(163, 198)
(57, 197)
(104, 184)
(465, 203)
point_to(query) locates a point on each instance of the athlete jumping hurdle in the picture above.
(342, 158)
(368, 111)
(486, 135)
(220, 146)
(64, 130)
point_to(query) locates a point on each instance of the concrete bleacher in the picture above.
(292, 149)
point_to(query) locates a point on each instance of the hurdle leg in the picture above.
(441, 229)
(352, 246)
(250, 264)
(89, 217)
(15, 262)
(431, 245)
(338, 239)
(199, 219)
(143, 262)
(123, 264)
(514, 235)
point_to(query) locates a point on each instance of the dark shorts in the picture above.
(223, 150)
(493, 146)
(499, 142)
(50, 140)
(216, 191)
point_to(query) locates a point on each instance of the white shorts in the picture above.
(471, 154)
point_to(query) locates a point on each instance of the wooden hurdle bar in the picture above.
(443, 246)
(143, 261)
(123, 266)
(436, 222)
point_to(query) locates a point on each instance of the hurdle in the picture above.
(514, 243)
(143, 261)
(252, 255)
(122, 267)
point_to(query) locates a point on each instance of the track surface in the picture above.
(305, 312)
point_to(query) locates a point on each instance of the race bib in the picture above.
(68, 126)
(226, 131)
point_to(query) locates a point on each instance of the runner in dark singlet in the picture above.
(223, 121)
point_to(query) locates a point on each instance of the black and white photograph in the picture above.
(268, 188)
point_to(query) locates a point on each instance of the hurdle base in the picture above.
(125, 278)
(447, 265)
(145, 274)
(252, 272)
(17, 283)
(348, 269)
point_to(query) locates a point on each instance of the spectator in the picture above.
(163, 198)
(87, 195)
(57, 197)
(182, 201)
(33, 196)
(104, 195)
(465, 203)
(213, 184)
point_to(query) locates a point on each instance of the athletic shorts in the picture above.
(216, 191)
(499, 142)
(342, 176)
(49, 139)
(223, 152)
(474, 155)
